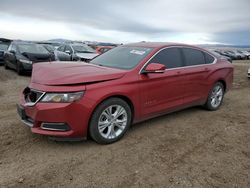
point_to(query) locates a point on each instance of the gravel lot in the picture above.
(190, 148)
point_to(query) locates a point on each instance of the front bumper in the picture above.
(68, 120)
(26, 66)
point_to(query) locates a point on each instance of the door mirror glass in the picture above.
(154, 68)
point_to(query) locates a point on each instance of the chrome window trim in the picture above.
(184, 67)
(30, 104)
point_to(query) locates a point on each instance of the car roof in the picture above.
(157, 44)
(78, 44)
(22, 42)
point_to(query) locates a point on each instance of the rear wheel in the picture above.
(110, 121)
(215, 97)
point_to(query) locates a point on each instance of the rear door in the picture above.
(162, 92)
(197, 70)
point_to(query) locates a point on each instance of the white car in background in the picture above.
(78, 52)
(246, 53)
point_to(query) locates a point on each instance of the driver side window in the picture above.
(170, 57)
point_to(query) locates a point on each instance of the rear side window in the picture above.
(209, 59)
(170, 57)
(193, 57)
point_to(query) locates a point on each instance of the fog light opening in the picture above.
(55, 126)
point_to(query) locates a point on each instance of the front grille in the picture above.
(32, 96)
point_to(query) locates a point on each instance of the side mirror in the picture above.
(68, 52)
(154, 68)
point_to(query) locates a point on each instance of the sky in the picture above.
(123, 21)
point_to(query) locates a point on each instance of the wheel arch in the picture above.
(120, 96)
(223, 83)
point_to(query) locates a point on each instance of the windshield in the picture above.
(122, 57)
(32, 48)
(3, 46)
(82, 49)
(50, 48)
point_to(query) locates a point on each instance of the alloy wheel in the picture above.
(217, 96)
(112, 122)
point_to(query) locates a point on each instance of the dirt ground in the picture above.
(190, 148)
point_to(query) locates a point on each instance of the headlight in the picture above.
(25, 61)
(62, 97)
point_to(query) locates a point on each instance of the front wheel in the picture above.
(19, 68)
(215, 97)
(6, 65)
(110, 121)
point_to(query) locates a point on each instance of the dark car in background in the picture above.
(22, 55)
(3, 47)
(4, 44)
(59, 56)
(78, 52)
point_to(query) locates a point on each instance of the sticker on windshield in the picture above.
(137, 52)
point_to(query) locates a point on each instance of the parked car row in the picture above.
(234, 54)
(21, 55)
(223, 56)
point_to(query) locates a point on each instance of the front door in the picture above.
(163, 92)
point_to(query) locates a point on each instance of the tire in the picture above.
(105, 127)
(19, 68)
(215, 97)
(6, 65)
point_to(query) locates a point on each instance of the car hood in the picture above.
(87, 55)
(68, 73)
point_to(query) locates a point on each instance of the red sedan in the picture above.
(127, 84)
